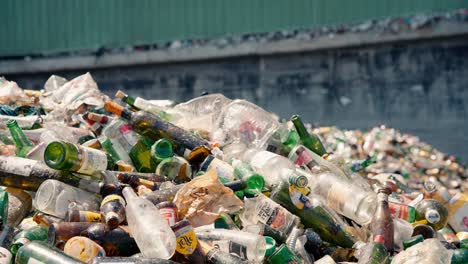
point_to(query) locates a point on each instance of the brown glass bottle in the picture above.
(382, 222)
(60, 233)
(113, 210)
(75, 215)
(116, 242)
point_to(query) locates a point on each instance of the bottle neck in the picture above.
(129, 100)
(300, 128)
(19, 137)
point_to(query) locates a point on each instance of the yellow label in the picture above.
(92, 217)
(186, 240)
(420, 222)
(112, 197)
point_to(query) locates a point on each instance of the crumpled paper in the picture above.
(204, 198)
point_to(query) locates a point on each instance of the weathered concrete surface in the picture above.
(418, 87)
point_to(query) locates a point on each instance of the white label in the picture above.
(130, 135)
(92, 160)
(18, 166)
(432, 216)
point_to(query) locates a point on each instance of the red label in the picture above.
(398, 210)
(379, 239)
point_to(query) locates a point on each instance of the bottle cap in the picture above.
(270, 246)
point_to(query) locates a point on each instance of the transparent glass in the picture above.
(54, 197)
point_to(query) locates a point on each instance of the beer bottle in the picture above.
(154, 127)
(116, 242)
(40, 252)
(83, 248)
(66, 156)
(38, 233)
(113, 210)
(311, 141)
(45, 220)
(254, 181)
(22, 143)
(176, 169)
(75, 215)
(161, 149)
(60, 233)
(140, 103)
(382, 222)
(313, 214)
(432, 211)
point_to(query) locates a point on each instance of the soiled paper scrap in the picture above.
(203, 199)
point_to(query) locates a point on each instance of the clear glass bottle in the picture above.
(151, 231)
(54, 197)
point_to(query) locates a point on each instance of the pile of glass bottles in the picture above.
(91, 179)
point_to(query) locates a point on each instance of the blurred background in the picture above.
(353, 64)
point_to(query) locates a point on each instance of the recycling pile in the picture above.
(91, 179)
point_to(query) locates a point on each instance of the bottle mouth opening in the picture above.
(11, 123)
(54, 155)
(163, 148)
(45, 196)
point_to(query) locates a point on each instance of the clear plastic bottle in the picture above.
(274, 167)
(151, 231)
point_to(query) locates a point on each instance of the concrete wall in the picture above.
(418, 87)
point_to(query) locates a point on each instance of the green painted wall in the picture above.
(41, 26)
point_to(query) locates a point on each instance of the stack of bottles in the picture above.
(91, 179)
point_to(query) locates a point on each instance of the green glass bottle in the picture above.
(460, 256)
(161, 149)
(312, 213)
(36, 233)
(283, 255)
(70, 157)
(311, 141)
(374, 253)
(3, 206)
(40, 252)
(244, 172)
(140, 154)
(154, 127)
(23, 144)
(433, 211)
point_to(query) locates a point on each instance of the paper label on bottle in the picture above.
(398, 210)
(112, 197)
(303, 157)
(231, 248)
(432, 216)
(129, 135)
(299, 197)
(92, 160)
(90, 217)
(272, 215)
(17, 166)
(32, 260)
(186, 240)
(169, 214)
